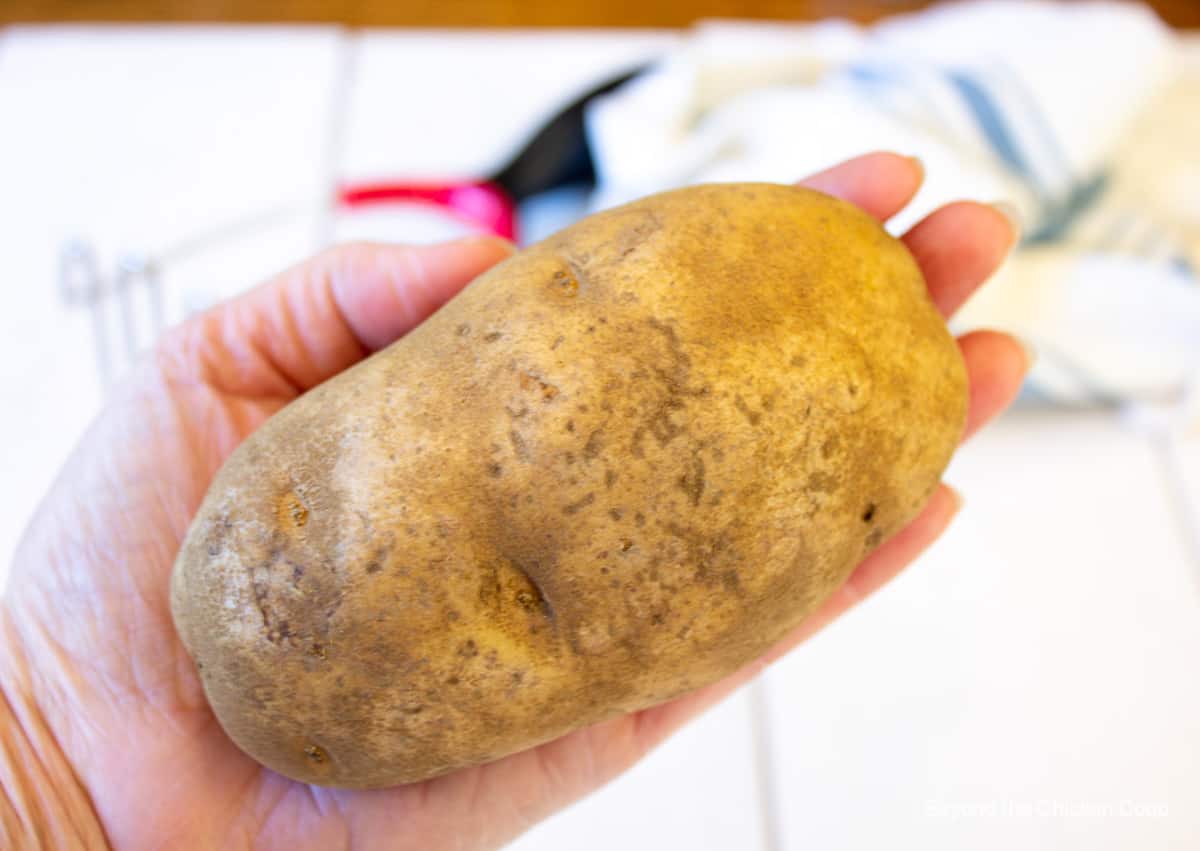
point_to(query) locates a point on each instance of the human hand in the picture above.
(109, 735)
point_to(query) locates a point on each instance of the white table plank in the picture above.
(696, 791)
(1031, 683)
(136, 139)
(1179, 453)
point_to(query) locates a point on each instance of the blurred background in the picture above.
(491, 13)
(1034, 680)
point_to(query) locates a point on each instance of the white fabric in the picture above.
(1029, 102)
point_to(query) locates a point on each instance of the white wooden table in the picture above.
(1033, 682)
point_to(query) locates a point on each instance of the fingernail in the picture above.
(956, 498)
(489, 239)
(1009, 210)
(1031, 352)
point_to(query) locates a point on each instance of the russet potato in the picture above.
(617, 467)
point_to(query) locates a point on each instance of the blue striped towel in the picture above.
(1031, 102)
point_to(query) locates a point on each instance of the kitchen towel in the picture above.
(1036, 103)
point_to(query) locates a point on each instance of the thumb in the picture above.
(322, 316)
(384, 291)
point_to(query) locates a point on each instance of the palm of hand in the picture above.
(164, 767)
(89, 595)
(159, 767)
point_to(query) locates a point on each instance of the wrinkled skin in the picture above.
(103, 689)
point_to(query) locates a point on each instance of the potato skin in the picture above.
(619, 466)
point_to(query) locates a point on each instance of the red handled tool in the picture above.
(556, 156)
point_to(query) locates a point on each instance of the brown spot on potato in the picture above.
(693, 482)
(532, 383)
(293, 514)
(662, 426)
(579, 504)
(565, 284)
(520, 447)
(752, 417)
(708, 552)
(635, 445)
(595, 443)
